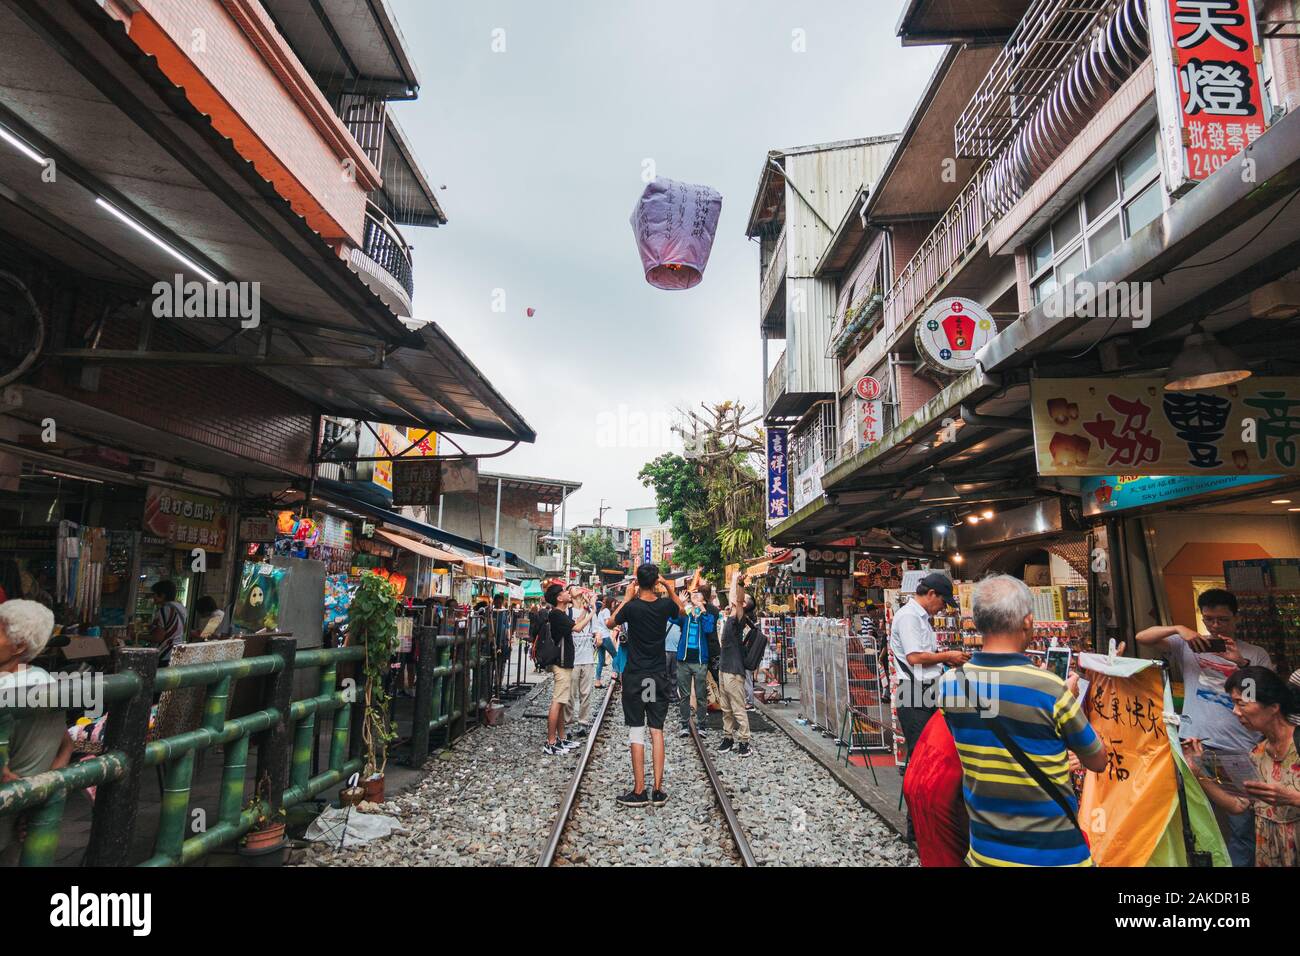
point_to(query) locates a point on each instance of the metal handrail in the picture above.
(384, 245)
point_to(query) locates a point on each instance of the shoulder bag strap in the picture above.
(1036, 772)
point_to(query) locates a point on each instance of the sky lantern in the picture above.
(674, 224)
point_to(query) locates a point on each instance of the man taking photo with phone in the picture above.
(1206, 662)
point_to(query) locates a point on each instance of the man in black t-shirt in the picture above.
(562, 628)
(647, 607)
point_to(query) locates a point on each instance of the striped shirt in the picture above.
(1013, 822)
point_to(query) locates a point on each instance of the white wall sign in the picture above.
(952, 331)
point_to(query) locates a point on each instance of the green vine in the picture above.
(372, 620)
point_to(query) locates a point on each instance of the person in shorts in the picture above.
(562, 628)
(647, 606)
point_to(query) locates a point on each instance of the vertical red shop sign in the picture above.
(1208, 85)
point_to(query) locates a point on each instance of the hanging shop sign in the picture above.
(426, 442)
(871, 422)
(257, 528)
(393, 441)
(951, 332)
(778, 491)
(1209, 92)
(460, 476)
(1106, 493)
(646, 549)
(877, 574)
(634, 544)
(184, 520)
(808, 484)
(656, 546)
(1093, 426)
(868, 388)
(416, 482)
(820, 562)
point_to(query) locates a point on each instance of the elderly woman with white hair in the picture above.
(40, 740)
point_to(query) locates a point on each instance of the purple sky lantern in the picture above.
(674, 224)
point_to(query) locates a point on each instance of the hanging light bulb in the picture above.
(1204, 362)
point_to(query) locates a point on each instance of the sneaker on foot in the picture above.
(634, 799)
(567, 745)
(552, 750)
(726, 745)
(659, 798)
(744, 751)
(685, 732)
(704, 731)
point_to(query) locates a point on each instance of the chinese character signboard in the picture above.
(951, 332)
(871, 422)
(392, 441)
(416, 481)
(1106, 493)
(778, 489)
(868, 388)
(1208, 86)
(1132, 426)
(185, 520)
(426, 442)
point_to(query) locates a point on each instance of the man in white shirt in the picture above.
(917, 660)
(584, 668)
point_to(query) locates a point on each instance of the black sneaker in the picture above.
(685, 732)
(726, 745)
(552, 750)
(744, 751)
(659, 798)
(704, 731)
(634, 799)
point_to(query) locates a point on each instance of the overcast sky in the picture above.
(541, 149)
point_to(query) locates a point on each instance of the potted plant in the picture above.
(372, 619)
(264, 843)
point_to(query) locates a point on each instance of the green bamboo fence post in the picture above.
(426, 649)
(175, 806)
(234, 768)
(112, 823)
(42, 841)
(273, 749)
(304, 737)
(339, 726)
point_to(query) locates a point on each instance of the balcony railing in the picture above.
(385, 246)
(954, 239)
(776, 383)
(772, 277)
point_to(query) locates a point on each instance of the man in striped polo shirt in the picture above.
(1007, 715)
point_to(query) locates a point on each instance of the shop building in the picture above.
(201, 267)
(1077, 241)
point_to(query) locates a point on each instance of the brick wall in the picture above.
(913, 391)
(235, 67)
(907, 238)
(520, 520)
(235, 410)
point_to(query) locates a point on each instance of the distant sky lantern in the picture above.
(674, 224)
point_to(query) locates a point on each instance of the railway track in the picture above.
(586, 824)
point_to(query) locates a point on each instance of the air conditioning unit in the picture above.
(1277, 300)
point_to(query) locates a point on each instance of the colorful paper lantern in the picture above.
(674, 225)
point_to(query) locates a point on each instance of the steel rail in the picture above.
(571, 794)
(728, 811)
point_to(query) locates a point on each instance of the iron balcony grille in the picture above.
(1038, 53)
(385, 246)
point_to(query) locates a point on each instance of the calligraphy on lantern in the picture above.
(1213, 97)
(1134, 427)
(778, 488)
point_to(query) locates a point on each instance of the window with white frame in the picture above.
(1119, 203)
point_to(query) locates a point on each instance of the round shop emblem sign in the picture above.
(952, 331)
(868, 388)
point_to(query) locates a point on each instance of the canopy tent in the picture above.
(420, 548)
(532, 588)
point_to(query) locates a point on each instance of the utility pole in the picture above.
(600, 515)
